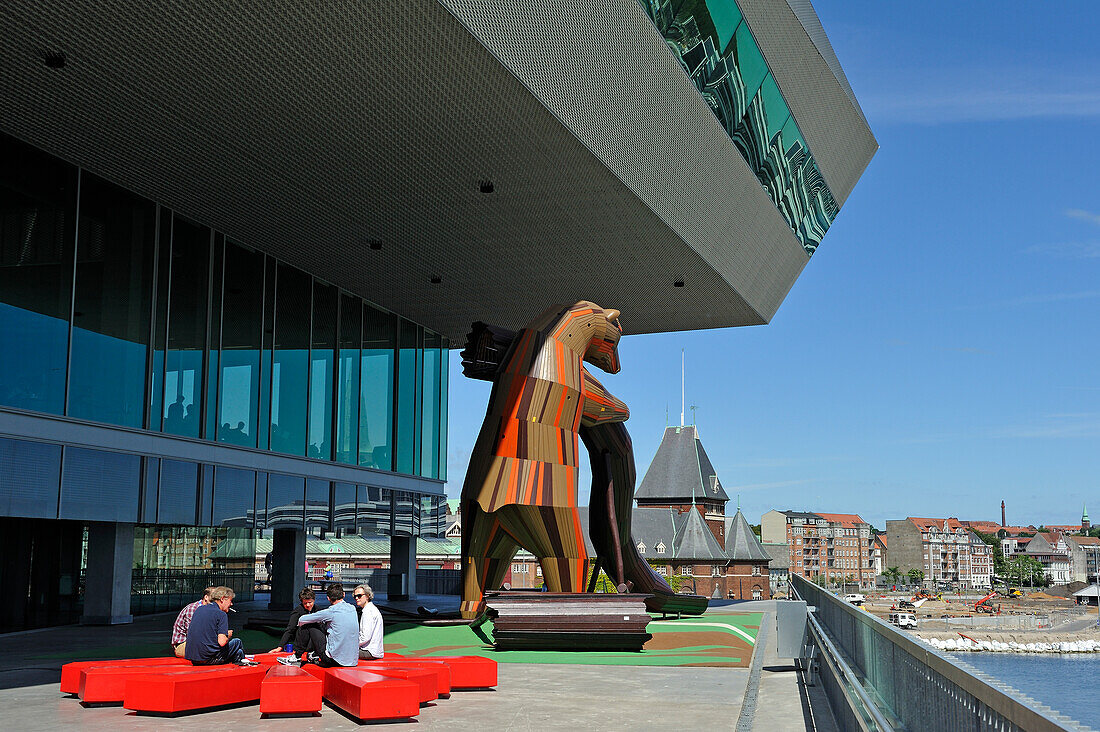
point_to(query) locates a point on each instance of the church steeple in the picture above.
(1085, 525)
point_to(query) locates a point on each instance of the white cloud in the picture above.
(1068, 250)
(1055, 426)
(1086, 215)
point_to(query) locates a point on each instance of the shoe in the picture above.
(289, 661)
(247, 662)
(311, 657)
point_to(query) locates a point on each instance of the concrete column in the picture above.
(288, 568)
(402, 562)
(110, 568)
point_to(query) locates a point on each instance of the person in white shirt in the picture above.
(370, 624)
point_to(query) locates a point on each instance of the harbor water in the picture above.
(1066, 682)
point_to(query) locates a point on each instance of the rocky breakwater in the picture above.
(994, 646)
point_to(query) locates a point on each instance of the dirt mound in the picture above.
(1043, 596)
(1065, 590)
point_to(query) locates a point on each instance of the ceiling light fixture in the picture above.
(52, 59)
(485, 186)
(678, 283)
(436, 279)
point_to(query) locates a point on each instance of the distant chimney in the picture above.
(1003, 524)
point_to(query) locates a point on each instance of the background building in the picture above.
(943, 549)
(834, 546)
(232, 284)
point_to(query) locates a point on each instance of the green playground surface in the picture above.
(713, 639)
(724, 639)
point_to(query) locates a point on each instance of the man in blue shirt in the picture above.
(339, 644)
(209, 639)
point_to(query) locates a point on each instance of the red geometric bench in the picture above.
(442, 670)
(366, 695)
(290, 690)
(467, 672)
(107, 684)
(199, 687)
(426, 679)
(70, 672)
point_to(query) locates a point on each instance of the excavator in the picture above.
(985, 606)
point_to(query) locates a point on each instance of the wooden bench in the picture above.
(199, 687)
(290, 690)
(366, 695)
(70, 672)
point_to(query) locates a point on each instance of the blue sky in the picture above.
(937, 354)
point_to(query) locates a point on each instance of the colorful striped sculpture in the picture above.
(521, 486)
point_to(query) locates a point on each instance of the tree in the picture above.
(915, 576)
(998, 555)
(892, 575)
(819, 580)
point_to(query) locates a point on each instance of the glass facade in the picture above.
(717, 50)
(126, 313)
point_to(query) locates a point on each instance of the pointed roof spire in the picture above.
(1084, 513)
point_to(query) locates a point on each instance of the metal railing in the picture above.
(878, 678)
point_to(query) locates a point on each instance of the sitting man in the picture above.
(300, 635)
(370, 624)
(338, 645)
(183, 621)
(209, 640)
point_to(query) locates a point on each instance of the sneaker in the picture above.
(247, 662)
(289, 661)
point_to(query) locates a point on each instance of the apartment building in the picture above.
(944, 549)
(837, 546)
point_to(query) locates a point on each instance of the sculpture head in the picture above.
(603, 348)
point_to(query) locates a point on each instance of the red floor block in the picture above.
(426, 679)
(443, 671)
(107, 684)
(290, 690)
(70, 672)
(366, 695)
(200, 687)
(468, 672)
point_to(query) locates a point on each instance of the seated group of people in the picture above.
(334, 636)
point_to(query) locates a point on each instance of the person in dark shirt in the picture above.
(302, 636)
(209, 640)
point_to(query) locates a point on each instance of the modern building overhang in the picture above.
(317, 133)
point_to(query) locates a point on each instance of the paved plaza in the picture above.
(528, 696)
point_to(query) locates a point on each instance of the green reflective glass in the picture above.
(719, 53)
(376, 394)
(444, 358)
(429, 399)
(347, 379)
(213, 335)
(290, 366)
(113, 301)
(37, 216)
(409, 372)
(188, 286)
(242, 334)
(322, 378)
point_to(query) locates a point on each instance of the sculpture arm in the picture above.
(600, 406)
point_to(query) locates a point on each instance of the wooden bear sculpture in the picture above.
(521, 487)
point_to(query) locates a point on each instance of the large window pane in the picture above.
(321, 375)
(318, 515)
(178, 499)
(429, 430)
(242, 333)
(376, 397)
(213, 336)
(100, 486)
(234, 497)
(285, 502)
(290, 369)
(374, 511)
(347, 379)
(37, 215)
(409, 366)
(114, 281)
(444, 359)
(750, 62)
(264, 423)
(187, 297)
(343, 507)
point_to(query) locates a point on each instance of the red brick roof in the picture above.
(848, 520)
(939, 523)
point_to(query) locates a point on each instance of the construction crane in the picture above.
(985, 606)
